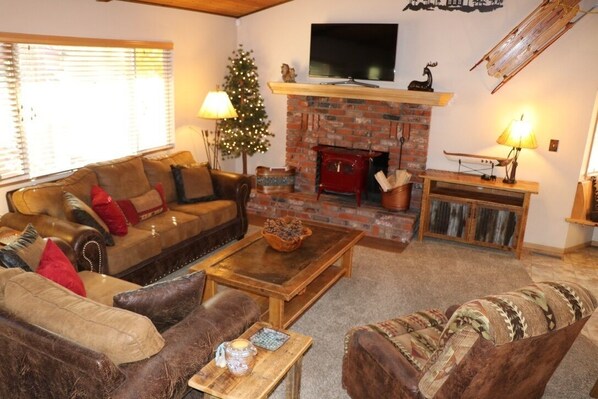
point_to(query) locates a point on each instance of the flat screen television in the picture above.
(353, 51)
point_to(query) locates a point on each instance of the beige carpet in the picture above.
(427, 274)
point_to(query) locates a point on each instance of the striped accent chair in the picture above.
(500, 346)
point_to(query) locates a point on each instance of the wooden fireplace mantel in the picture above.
(438, 99)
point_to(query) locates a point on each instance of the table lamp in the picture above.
(216, 105)
(517, 135)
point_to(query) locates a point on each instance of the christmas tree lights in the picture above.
(247, 134)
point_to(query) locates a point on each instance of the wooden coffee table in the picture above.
(269, 368)
(285, 284)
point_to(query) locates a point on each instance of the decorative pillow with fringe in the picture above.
(25, 252)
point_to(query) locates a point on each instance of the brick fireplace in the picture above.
(355, 124)
(358, 124)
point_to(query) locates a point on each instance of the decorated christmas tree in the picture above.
(248, 133)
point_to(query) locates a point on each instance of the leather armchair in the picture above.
(500, 346)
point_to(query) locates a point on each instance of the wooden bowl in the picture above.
(285, 245)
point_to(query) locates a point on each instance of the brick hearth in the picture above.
(342, 211)
(358, 124)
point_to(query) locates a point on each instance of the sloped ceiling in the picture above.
(228, 8)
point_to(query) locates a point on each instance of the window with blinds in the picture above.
(66, 105)
(592, 169)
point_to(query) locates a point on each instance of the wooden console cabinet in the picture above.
(465, 208)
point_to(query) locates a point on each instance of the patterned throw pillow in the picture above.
(54, 265)
(144, 206)
(193, 183)
(109, 211)
(165, 303)
(78, 211)
(25, 252)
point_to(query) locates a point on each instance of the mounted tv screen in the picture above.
(353, 51)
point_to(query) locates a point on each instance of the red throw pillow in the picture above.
(109, 211)
(144, 206)
(55, 266)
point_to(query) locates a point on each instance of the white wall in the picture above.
(556, 91)
(202, 44)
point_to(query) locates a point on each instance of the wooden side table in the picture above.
(463, 207)
(269, 368)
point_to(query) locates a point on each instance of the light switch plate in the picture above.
(553, 146)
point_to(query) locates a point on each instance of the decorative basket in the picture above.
(275, 180)
(286, 245)
(398, 198)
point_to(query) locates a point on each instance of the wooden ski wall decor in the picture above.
(548, 22)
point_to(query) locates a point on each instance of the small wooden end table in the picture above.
(269, 368)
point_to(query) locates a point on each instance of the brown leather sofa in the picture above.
(153, 248)
(39, 361)
(500, 346)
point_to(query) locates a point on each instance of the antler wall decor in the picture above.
(548, 22)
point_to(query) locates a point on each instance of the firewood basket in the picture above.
(398, 198)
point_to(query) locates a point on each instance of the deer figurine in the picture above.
(425, 85)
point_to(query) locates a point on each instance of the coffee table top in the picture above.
(253, 265)
(269, 368)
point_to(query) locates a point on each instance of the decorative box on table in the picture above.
(275, 180)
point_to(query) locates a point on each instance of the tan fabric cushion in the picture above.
(46, 198)
(5, 275)
(102, 288)
(41, 199)
(158, 171)
(137, 246)
(211, 213)
(121, 335)
(182, 158)
(122, 178)
(172, 231)
(80, 183)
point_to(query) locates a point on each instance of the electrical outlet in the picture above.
(553, 146)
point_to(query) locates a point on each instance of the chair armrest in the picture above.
(236, 187)
(54, 366)
(189, 346)
(450, 310)
(87, 243)
(373, 367)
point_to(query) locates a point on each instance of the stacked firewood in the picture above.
(393, 180)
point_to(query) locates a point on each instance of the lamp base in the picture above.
(510, 175)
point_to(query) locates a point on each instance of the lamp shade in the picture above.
(518, 135)
(217, 105)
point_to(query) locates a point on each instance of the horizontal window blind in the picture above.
(82, 104)
(593, 160)
(12, 160)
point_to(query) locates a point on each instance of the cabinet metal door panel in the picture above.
(496, 226)
(448, 218)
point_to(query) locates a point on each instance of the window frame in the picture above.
(592, 143)
(19, 38)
